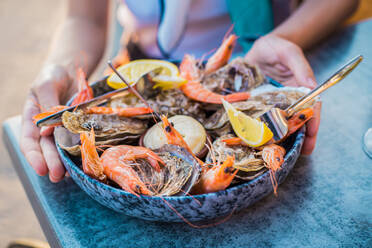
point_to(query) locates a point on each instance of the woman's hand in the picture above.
(52, 87)
(285, 62)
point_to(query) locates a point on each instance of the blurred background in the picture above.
(27, 28)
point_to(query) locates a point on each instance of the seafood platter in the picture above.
(188, 146)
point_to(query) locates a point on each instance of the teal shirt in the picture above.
(251, 19)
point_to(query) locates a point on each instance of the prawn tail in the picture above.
(222, 55)
(234, 141)
(237, 97)
(47, 113)
(90, 159)
(85, 92)
(122, 112)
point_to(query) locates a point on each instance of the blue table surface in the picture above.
(326, 201)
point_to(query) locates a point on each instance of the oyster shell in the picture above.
(236, 76)
(247, 160)
(70, 142)
(169, 102)
(107, 126)
(183, 170)
(245, 157)
(180, 173)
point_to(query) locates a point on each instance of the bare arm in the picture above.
(280, 55)
(82, 35)
(79, 41)
(314, 20)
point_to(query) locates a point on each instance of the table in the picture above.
(325, 201)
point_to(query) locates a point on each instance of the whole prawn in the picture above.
(116, 164)
(217, 178)
(124, 112)
(190, 71)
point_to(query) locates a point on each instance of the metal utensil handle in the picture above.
(334, 79)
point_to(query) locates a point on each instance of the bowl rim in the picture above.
(300, 136)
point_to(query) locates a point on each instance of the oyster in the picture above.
(247, 160)
(236, 76)
(107, 126)
(70, 142)
(174, 102)
(183, 170)
(180, 173)
(168, 102)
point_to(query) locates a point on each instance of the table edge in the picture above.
(11, 144)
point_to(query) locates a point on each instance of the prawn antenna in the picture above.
(133, 90)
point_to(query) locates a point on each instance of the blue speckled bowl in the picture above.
(207, 206)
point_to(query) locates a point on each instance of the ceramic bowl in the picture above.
(195, 208)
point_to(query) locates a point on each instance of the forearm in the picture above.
(80, 40)
(314, 19)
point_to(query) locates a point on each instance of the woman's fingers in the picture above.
(37, 144)
(295, 59)
(47, 95)
(46, 131)
(30, 136)
(55, 166)
(275, 74)
(312, 128)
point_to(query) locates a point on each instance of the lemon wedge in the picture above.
(134, 70)
(168, 82)
(253, 132)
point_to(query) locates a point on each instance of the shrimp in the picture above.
(124, 112)
(116, 163)
(294, 123)
(173, 136)
(49, 112)
(194, 90)
(222, 55)
(236, 141)
(89, 156)
(85, 93)
(273, 155)
(217, 178)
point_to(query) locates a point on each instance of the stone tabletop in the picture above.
(325, 201)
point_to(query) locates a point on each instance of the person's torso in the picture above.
(188, 26)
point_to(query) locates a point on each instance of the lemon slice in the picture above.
(134, 70)
(253, 132)
(168, 82)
